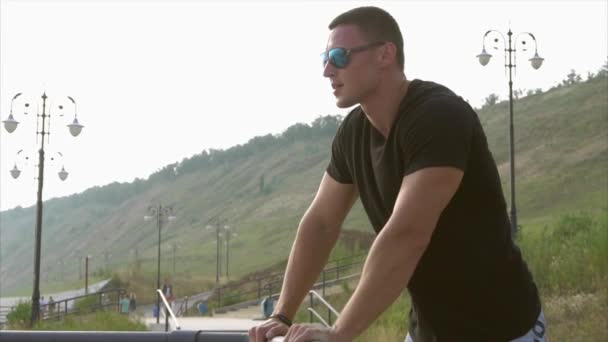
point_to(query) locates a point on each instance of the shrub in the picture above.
(19, 317)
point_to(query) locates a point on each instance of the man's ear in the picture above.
(387, 54)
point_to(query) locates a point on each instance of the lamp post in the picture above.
(86, 274)
(229, 234)
(510, 63)
(217, 222)
(160, 213)
(42, 128)
(79, 257)
(174, 247)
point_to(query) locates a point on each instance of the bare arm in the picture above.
(317, 234)
(398, 248)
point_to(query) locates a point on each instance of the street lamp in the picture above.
(160, 214)
(10, 124)
(536, 61)
(15, 172)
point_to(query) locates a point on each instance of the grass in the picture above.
(19, 318)
(97, 321)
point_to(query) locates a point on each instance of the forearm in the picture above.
(387, 271)
(308, 256)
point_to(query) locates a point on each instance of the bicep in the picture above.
(423, 196)
(333, 201)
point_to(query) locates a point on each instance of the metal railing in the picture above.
(168, 311)
(256, 289)
(57, 310)
(130, 336)
(183, 307)
(4, 311)
(112, 336)
(314, 313)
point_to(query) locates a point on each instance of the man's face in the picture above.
(359, 78)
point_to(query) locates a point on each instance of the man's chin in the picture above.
(345, 103)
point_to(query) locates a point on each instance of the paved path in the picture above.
(12, 301)
(145, 310)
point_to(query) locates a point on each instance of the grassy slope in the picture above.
(561, 144)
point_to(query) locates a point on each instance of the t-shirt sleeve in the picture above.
(440, 135)
(338, 166)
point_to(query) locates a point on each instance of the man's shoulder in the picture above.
(423, 93)
(429, 98)
(351, 122)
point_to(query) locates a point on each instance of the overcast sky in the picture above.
(159, 81)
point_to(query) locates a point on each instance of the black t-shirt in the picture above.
(471, 283)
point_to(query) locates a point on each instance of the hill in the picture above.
(262, 188)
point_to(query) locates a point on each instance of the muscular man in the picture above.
(416, 155)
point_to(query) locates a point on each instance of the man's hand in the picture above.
(313, 333)
(267, 330)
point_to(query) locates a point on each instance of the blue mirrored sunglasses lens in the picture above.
(338, 57)
(324, 58)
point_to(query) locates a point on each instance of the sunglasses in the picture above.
(339, 57)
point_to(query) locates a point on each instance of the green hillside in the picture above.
(262, 189)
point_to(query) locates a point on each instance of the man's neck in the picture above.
(381, 107)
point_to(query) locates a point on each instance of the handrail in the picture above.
(246, 293)
(183, 307)
(168, 308)
(314, 312)
(324, 302)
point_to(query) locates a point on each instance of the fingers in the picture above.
(266, 331)
(278, 330)
(307, 333)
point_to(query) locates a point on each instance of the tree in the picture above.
(572, 78)
(491, 100)
(517, 93)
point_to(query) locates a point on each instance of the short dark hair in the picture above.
(376, 24)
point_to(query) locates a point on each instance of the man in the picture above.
(417, 157)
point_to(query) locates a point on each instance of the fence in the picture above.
(57, 310)
(256, 289)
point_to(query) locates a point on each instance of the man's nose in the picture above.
(328, 69)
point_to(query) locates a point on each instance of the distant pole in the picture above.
(174, 246)
(160, 213)
(86, 274)
(217, 259)
(228, 233)
(511, 65)
(159, 220)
